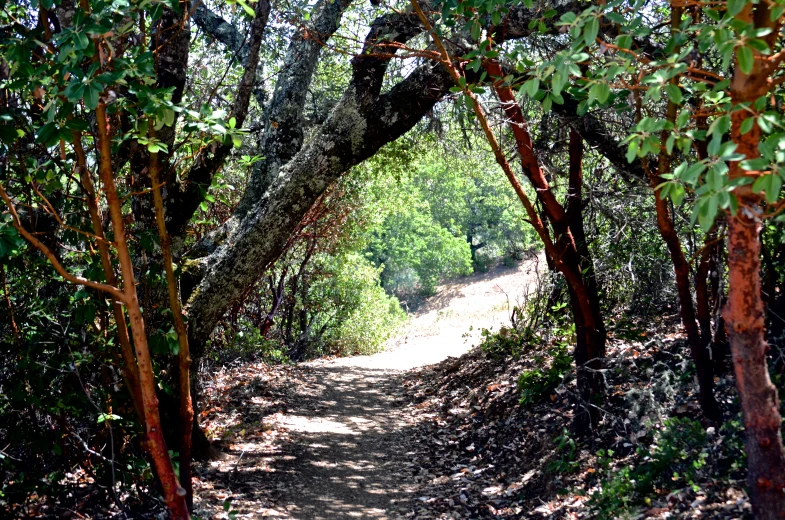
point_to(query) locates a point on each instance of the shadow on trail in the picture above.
(346, 457)
(337, 443)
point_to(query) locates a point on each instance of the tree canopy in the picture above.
(181, 179)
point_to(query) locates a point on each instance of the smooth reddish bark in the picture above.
(130, 370)
(681, 267)
(698, 349)
(590, 347)
(174, 494)
(744, 311)
(186, 409)
(586, 336)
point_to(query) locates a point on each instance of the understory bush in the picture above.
(65, 417)
(357, 316)
(675, 458)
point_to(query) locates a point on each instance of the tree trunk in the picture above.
(186, 411)
(744, 314)
(174, 494)
(665, 223)
(590, 349)
(588, 339)
(130, 371)
(744, 311)
(700, 354)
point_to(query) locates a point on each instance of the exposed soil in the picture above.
(432, 428)
(334, 438)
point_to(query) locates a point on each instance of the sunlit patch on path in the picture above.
(338, 446)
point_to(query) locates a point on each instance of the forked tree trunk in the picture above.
(130, 371)
(698, 349)
(585, 336)
(584, 302)
(174, 494)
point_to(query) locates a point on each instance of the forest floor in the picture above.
(331, 438)
(431, 428)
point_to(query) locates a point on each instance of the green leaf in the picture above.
(677, 194)
(632, 151)
(766, 122)
(108, 417)
(568, 17)
(624, 41)
(91, 96)
(770, 185)
(759, 45)
(734, 7)
(757, 164)
(250, 12)
(708, 212)
(476, 30)
(683, 118)
(603, 92)
(747, 124)
(80, 125)
(48, 135)
(532, 86)
(674, 93)
(745, 58)
(590, 31)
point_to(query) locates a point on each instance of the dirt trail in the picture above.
(346, 440)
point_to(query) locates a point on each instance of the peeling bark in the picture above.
(744, 311)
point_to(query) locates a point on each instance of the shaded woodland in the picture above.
(188, 184)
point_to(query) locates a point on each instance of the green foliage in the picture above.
(416, 252)
(508, 342)
(565, 460)
(246, 341)
(551, 368)
(57, 373)
(545, 346)
(441, 213)
(676, 459)
(352, 308)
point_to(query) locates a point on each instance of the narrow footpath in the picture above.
(328, 439)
